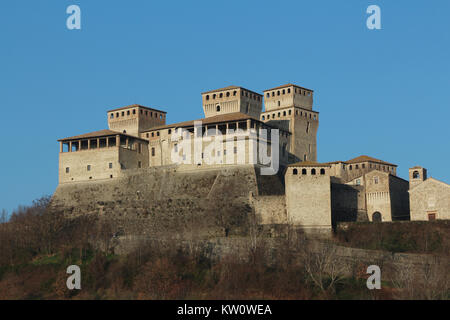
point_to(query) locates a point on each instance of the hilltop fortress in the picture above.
(211, 174)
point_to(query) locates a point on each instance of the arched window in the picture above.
(264, 118)
(278, 92)
(284, 92)
(207, 97)
(322, 171)
(234, 92)
(221, 95)
(304, 172)
(295, 172)
(313, 172)
(218, 108)
(268, 94)
(214, 96)
(376, 217)
(416, 175)
(228, 94)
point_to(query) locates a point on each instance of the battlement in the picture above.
(230, 100)
(289, 95)
(135, 118)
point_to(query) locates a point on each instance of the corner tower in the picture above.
(291, 107)
(230, 100)
(134, 119)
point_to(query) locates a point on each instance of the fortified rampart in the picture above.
(172, 201)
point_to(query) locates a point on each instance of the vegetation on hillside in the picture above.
(37, 245)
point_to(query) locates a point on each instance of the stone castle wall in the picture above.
(170, 201)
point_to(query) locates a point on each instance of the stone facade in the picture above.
(150, 177)
(429, 197)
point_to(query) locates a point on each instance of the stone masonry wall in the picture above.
(168, 202)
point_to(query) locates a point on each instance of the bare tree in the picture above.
(322, 265)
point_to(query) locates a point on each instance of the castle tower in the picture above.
(417, 175)
(308, 195)
(230, 100)
(134, 119)
(290, 107)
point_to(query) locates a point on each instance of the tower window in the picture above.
(234, 93)
(111, 115)
(214, 96)
(221, 95)
(134, 111)
(295, 172)
(128, 112)
(117, 114)
(264, 118)
(304, 172)
(218, 108)
(284, 92)
(153, 152)
(228, 94)
(289, 90)
(207, 97)
(313, 172)
(416, 175)
(322, 171)
(268, 94)
(67, 170)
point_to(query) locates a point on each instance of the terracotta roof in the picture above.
(231, 88)
(289, 85)
(136, 106)
(98, 134)
(308, 164)
(365, 158)
(236, 116)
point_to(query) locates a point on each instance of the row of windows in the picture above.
(130, 112)
(305, 172)
(287, 91)
(375, 166)
(250, 95)
(289, 112)
(110, 166)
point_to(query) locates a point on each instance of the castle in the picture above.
(236, 133)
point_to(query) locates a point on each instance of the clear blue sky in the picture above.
(384, 93)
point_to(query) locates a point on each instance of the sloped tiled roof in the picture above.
(98, 134)
(235, 116)
(288, 85)
(231, 88)
(136, 106)
(363, 158)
